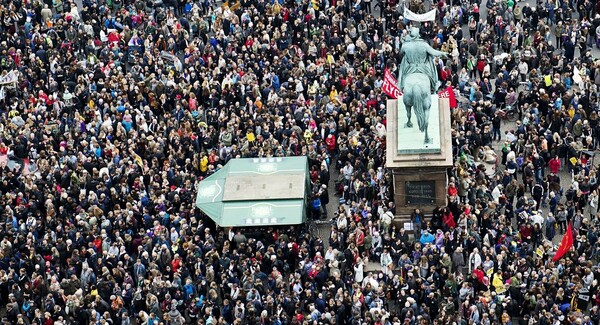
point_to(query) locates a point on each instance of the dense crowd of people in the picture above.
(114, 110)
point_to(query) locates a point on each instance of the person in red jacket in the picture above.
(98, 244)
(481, 63)
(478, 272)
(372, 102)
(554, 165)
(452, 191)
(448, 219)
(526, 231)
(445, 75)
(330, 141)
(360, 239)
(176, 263)
(3, 149)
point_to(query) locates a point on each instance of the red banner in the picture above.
(448, 93)
(390, 85)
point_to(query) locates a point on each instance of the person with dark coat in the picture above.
(569, 47)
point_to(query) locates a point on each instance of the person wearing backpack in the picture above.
(316, 207)
(386, 219)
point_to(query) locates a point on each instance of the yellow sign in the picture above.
(573, 160)
(138, 160)
(330, 59)
(540, 252)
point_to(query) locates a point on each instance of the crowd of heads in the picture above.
(113, 111)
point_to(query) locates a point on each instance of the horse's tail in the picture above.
(420, 112)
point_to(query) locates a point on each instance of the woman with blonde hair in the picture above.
(423, 267)
(463, 79)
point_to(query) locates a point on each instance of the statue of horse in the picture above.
(417, 96)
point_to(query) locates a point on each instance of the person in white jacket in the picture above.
(329, 254)
(523, 70)
(386, 263)
(474, 260)
(359, 271)
(497, 193)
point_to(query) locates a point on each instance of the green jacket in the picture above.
(470, 65)
(578, 129)
(368, 241)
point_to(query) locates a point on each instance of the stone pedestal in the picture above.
(422, 188)
(419, 172)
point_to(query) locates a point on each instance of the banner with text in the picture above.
(448, 93)
(428, 16)
(390, 85)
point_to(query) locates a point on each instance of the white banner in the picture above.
(428, 16)
(11, 77)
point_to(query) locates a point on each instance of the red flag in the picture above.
(448, 93)
(390, 85)
(565, 244)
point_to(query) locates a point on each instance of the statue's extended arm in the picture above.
(433, 52)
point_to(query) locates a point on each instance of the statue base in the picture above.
(420, 170)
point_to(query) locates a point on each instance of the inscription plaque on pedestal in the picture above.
(420, 192)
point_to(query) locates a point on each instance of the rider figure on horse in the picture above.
(418, 58)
